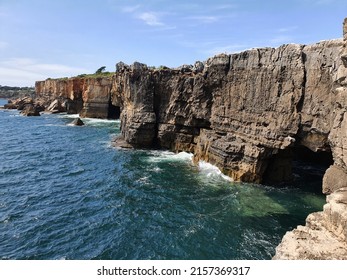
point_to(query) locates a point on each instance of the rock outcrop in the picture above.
(247, 113)
(31, 110)
(323, 237)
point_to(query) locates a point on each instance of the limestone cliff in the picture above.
(242, 112)
(247, 113)
(90, 96)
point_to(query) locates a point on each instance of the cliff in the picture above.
(247, 113)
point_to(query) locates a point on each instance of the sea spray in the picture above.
(212, 171)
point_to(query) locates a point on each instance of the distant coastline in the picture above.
(16, 92)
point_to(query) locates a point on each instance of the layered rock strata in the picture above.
(246, 113)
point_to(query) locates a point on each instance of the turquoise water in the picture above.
(66, 193)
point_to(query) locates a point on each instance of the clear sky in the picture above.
(61, 38)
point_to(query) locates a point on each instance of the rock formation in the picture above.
(31, 110)
(324, 235)
(77, 122)
(247, 113)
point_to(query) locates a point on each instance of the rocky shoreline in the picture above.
(248, 113)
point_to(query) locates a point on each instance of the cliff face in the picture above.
(246, 113)
(242, 112)
(90, 96)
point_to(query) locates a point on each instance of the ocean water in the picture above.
(66, 193)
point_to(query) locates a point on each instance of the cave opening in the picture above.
(113, 112)
(298, 167)
(309, 167)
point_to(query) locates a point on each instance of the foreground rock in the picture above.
(324, 235)
(31, 111)
(19, 103)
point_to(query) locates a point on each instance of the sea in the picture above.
(67, 193)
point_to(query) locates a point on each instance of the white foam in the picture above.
(212, 171)
(156, 169)
(159, 156)
(99, 121)
(88, 120)
(68, 116)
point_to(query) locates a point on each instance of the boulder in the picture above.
(23, 102)
(198, 67)
(138, 67)
(185, 68)
(10, 106)
(31, 110)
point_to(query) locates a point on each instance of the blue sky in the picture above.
(61, 38)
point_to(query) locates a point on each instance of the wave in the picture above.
(88, 120)
(205, 168)
(159, 156)
(99, 121)
(68, 116)
(212, 171)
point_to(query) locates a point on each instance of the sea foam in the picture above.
(159, 156)
(212, 171)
